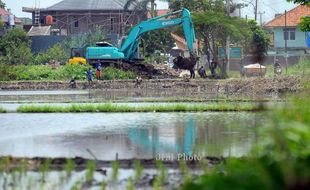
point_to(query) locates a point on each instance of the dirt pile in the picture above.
(261, 86)
(150, 71)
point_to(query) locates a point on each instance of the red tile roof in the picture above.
(4, 12)
(293, 17)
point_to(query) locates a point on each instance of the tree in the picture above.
(303, 2)
(260, 42)
(85, 40)
(15, 46)
(305, 21)
(142, 5)
(213, 25)
(159, 40)
(2, 4)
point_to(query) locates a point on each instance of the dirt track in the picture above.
(232, 87)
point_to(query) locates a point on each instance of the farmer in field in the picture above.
(138, 81)
(202, 72)
(90, 75)
(98, 71)
(212, 67)
(72, 83)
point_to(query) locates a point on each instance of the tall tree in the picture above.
(2, 4)
(303, 2)
(159, 40)
(213, 25)
(260, 42)
(15, 45)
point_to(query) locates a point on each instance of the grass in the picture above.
(76, 108)
(302, 68)
(63, 72)
(2, 110)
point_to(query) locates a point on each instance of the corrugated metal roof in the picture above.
(39, 31)
(88, 5)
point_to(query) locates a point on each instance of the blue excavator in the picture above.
(106, 53)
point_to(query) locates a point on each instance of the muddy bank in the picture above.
(231, 87)
(81, 163)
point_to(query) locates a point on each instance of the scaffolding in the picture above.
(37, 13)
(112, 21)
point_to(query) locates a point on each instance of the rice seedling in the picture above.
(138, 170)
(90, 170)
(2, 110)
(115, 167)
(4, 164)
(184, 170)
(162, 175)
(44, 168)
(69, 167)
(179, 107)
(130, 184)
(103, 185)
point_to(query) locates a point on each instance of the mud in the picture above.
(80, 163)
(231, 87)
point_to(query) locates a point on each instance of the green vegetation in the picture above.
(42, 72)
(15, 46)
(305, 21)
(65, 72)
(302, 68)
(214, 24)
(112, 73)
(152, 108)
(56, 53)
(157, 41)
(90, 170)
(2, 110)
(281, 160)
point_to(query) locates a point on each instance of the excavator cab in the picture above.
(77, 56)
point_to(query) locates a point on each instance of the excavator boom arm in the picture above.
(130, 46)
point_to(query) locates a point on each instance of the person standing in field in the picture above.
(90, 75)
(98, 72)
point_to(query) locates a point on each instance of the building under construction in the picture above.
(70, 17)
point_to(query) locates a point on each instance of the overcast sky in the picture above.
(270, 7)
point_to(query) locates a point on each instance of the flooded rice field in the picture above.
(117, 136)
(130, 135)
(69, 96)
(127, 135)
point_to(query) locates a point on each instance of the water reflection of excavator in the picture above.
(128, 52)
(154, 142)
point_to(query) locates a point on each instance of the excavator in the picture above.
(128, 51)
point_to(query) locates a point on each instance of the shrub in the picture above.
(57, 53)
(112, 73)
(16, 47)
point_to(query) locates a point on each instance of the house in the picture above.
(284, 31)
(9, 19)
(70, 17)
